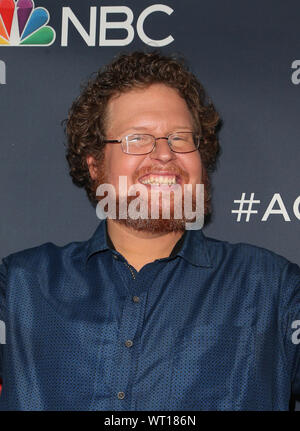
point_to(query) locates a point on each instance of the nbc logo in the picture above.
(21, 24)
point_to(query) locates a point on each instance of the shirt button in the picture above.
(121, 395)
(128, 343)
(115, 256)
(136, 299)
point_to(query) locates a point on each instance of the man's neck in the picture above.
(139, 247)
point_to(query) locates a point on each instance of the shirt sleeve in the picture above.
(290, 322)
(2, 312)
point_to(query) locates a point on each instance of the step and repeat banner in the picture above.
(246, 55)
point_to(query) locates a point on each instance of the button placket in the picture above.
(128, 350)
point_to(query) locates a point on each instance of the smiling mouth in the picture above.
(157, 180)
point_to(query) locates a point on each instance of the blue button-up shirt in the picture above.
(214, 326)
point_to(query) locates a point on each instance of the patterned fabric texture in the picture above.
(211, 327)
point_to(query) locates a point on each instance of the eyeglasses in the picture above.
(138, 144)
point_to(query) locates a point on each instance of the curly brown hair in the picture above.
(85, 125)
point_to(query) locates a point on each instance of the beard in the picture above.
(161, 224)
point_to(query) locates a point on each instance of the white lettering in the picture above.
(115, 420)
(68, 15)
(296, 207)
(138, 207)
(126, 25)
(176, 190)
(295, 338)
(89, 36)
(188, 206)
(140, 25)
(276, 198)
(2, 332)
(123, 197)
(109, 200)
(295, 78)
(2, 72)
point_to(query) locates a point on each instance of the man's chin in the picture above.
(154, 225)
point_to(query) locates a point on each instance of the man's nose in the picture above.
(162, 151)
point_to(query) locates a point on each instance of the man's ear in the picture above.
(93, 167)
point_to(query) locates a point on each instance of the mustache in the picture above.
(158, 169)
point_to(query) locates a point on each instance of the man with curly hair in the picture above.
(147, 314)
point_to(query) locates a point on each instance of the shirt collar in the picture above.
(98, 242)
(194, 248)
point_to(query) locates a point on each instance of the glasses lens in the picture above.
(138, 144)
(184, 142)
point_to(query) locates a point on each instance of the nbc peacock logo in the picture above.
(21, 24)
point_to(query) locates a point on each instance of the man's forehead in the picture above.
(146, 95)
(142, 107)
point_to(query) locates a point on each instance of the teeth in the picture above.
(162, 179)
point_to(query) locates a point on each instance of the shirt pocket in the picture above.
(212, 366)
